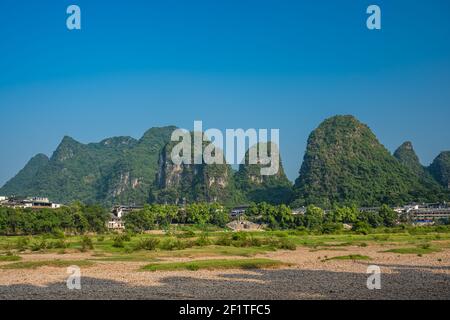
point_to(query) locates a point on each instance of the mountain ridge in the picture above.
(344, 163)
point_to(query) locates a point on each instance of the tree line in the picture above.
(79, 218)
(74, 219)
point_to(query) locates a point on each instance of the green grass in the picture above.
(50, 263)
(353, 257)
(214, 265)
(126, 258)
(10, 258)
(414, 250)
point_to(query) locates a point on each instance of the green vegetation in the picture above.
(440, 169)
(421, 250)
(346, 164)
(77, 218)
(353, 257)
(9, 258)
(50, 263)
(214, 265)
(274, 189)
(115, 170)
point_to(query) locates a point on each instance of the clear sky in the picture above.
(231, 63)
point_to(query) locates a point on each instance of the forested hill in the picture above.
(344, 164)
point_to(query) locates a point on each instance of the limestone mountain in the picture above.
(345, 163)
(274, 189)
(113, 170)
(440, 169)
(179, 183)
(408, 157)
(21, 183)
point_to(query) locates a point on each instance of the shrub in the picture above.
(118, 242)
(37, 246)
(22, 243)
(224, 240)
(286, 244)
(148, 244)
(58, 234)
(361, 227)
(60, 244)
(170, 244)
(203, 240)
(86, 244)
(332, 228)
(186, 235)
(239, 236)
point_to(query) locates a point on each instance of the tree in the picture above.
(314, 217)
(388, 216)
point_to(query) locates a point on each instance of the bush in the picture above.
(148, 244)
(86, 244)
(170, 244)
(286, 244)
(186, 235)
(22, 243)
(118, 242)
(58, 234)
(120, 239)
(361, 227)
(203, 240)
(331, 228)
(239, 236)
(224, 240)
(38, 246)
(60, 244)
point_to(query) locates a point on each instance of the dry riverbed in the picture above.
(302, 274)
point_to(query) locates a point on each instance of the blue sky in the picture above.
(233, 64)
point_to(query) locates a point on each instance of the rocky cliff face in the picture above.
(178, 183)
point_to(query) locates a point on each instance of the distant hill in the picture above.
(345, 163)
(274, 189)
(440, 169)
(114, 170)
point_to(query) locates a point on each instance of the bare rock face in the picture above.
(178, 183)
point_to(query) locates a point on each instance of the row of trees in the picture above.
(77, 218)
(162, 216)
(281, 217)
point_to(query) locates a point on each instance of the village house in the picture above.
(31, 203)
(115, 221)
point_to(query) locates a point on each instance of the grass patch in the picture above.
(353, 257)
(214, 265)
(127, 258)
(51, 263)
(10, 258)
(416, 250)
